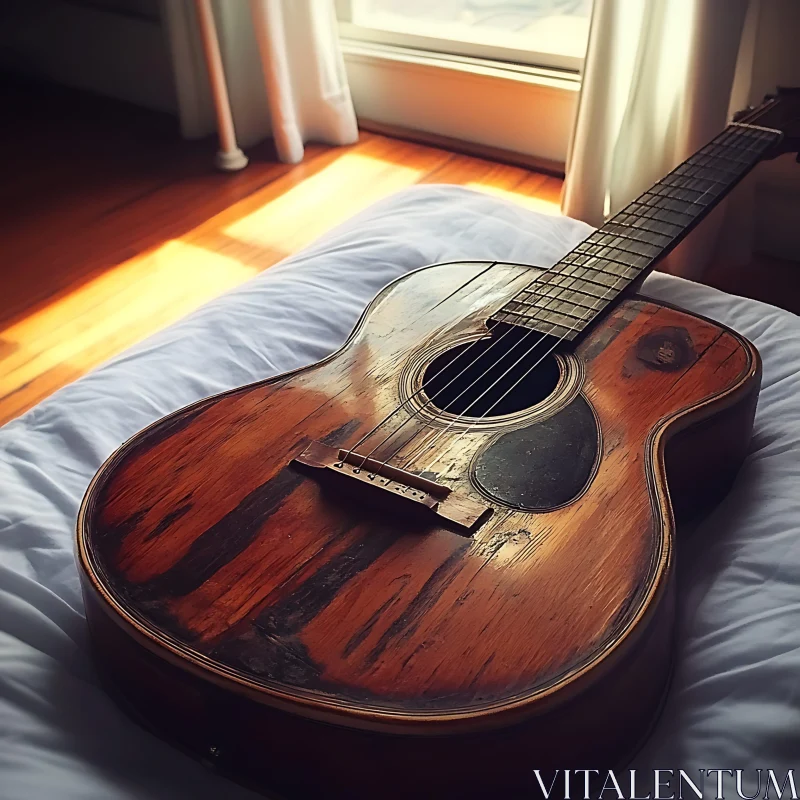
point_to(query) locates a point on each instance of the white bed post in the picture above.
(229, 157)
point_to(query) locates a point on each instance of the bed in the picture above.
(735, 698)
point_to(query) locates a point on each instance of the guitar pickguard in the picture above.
(545, 465)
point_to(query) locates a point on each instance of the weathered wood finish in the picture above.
(238, 605)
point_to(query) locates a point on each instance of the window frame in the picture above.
(451, 47)
(526, 112)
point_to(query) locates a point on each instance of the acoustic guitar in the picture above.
(442, 557)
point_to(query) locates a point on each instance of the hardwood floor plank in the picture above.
(55, 263)
(464, 170)
(136, 298)
(115, 227)
(353, 181)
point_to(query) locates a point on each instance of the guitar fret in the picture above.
(553, 317)
(546, 316)
(615, 225)
(649, 224)
(662, 200)
(568, 294)
(618, 258)
(535, 313)
(653, 250)
(616, 255)
(542, 327)
(548, 280)
(567, 297)
(624, 258)
(684, 195)
(634, 232)
(696, 170)
(542, 288)
(608, 280)
(743, 138)
(663, 194)
(646, 215)
(662, 214)
(724, 156)
(721, 159)
(690, 185)
(706, 173)
(574, 282)
(694, 178)
(581, 279)
(654, 200)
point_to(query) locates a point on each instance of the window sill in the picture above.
(512, 107)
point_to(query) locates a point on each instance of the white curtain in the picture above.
(283, 67)
(659, 82)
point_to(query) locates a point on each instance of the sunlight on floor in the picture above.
(345, 187)
(120, 307)
(144, 294)
(65, 337)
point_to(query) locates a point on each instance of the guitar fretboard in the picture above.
(570, 295)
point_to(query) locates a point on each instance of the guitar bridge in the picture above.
(394, 488)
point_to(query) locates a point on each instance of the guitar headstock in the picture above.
(780, 111)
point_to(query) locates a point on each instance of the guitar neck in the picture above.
(571, 295)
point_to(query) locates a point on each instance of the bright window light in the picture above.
(519, 30)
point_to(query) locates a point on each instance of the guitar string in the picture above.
(716, 143)
(396, 410)
(613, 287)
(493, 406)
(498, 401)
(689, 175)
(463, 353)
(518, 343)
(528, 371)
(550, 299)
(458, 375)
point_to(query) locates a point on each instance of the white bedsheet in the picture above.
(734, 702)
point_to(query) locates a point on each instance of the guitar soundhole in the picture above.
(492, 376)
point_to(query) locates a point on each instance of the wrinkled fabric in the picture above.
(734, 699)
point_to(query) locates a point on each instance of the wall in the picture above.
(776, 62)
(112, 47)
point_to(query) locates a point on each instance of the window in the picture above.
(544, 33)
(499, 74)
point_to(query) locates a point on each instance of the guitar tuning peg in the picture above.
(743, 113)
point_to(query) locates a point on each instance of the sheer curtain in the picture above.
(284, 72)
(660, 79)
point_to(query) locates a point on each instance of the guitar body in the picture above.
(313, 637)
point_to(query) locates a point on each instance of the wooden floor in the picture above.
(113, 227)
